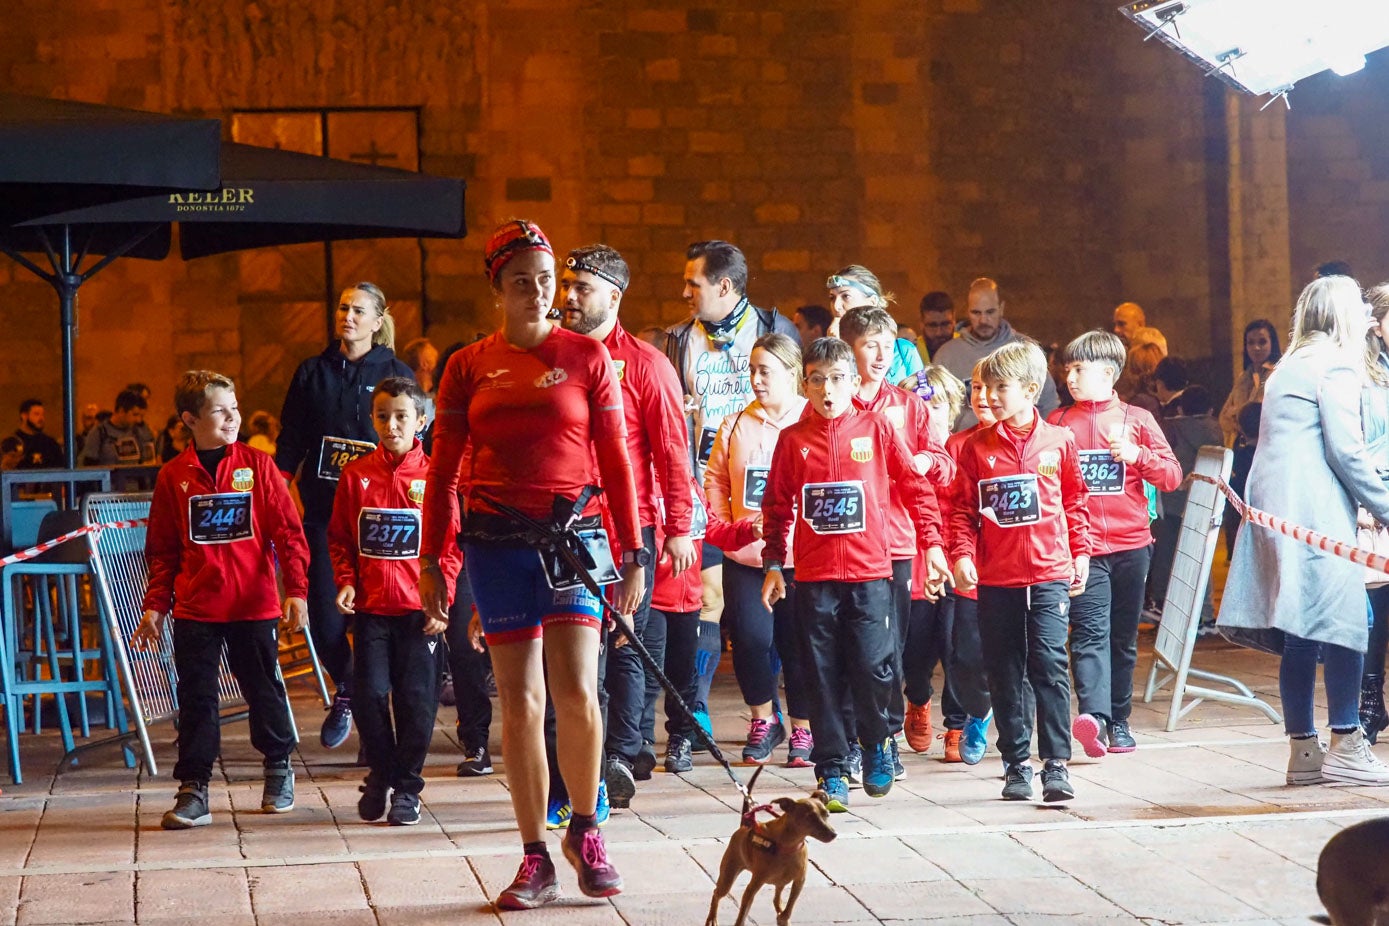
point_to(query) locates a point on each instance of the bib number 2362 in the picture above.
(389, 533)
(1010, 501)
(221, 518)
(1103, 474)
(833, 507)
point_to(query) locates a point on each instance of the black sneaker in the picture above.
(447, 697)
(622, 785)
(1056, 782)
(678, 754)
(1017, 782)
(190, 808)
(899, 773)
(476, 763)
(372, 804)
(645, 762)
(338, 724)
(278, 794)
(405, 809)
(1121, 737)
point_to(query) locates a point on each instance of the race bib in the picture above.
(127, 449)
(833, 507)
(221, 518)
(1010, 501)
(754, 487)
(336, 453)
(388, 533)
(1103, 474)
(706, 445)
(699, 517)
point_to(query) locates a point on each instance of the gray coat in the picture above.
(1310, 467)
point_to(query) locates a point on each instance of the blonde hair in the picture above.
(1147, 335)
(1331, 307)
(866, 278)
(1020, 361)
(1144, 358)
(385, 335)
(785, 350)
(190, 393)
(948, 385)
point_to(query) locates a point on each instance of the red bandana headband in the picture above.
(509, 240)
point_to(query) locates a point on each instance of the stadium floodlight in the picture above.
(1267, 46)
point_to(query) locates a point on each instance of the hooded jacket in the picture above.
(330, 397)
(961, 354)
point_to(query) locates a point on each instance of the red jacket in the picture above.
(944, 498)
(1118, 508)
(1035, 497)
(374, 534)
(685, 593)
(654, 411)
(911, 416)
(244, 522)
(836, 474)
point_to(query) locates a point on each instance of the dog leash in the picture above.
(565, 542)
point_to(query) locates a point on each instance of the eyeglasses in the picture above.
(818, 380)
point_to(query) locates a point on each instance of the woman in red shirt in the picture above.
(534, 406)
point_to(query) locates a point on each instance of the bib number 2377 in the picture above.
(833, 507)
(389, 533)
(221, 518)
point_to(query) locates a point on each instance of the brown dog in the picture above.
(1353, 875)
(774, 852)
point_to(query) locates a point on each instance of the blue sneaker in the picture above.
(338, 724)
(976, 739)
(604, 809)
(701, 717)
(877, 769)
(559, 812)
(836, 793)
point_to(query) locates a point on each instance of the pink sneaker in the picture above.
(798, 753)
(1089, 731)
(588, 855)
(535, 885)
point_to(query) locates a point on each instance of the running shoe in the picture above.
(878, 769)
(645, 762)
(371, 806)
(952, 745)
(853, 764)
(277, 796)
(899, 772)
(190, 808)
(338, 724)
(476, 763)
(701, 716)
(558, 813)
(603, 810)
(1121, 737)
(836, 793)
(798, 754)
(918, 727)
(976, 739)
(405, 809)
(678, 757)
(535, 885)
(622, 785)
(763, 737)
(1056, 782)
(1089, 731)
(589, 856)
(1017, 782)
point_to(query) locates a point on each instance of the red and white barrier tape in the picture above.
(47, 545)
(1310, 537)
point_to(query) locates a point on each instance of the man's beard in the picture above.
(587, 321)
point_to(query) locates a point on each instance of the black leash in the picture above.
(565, 541)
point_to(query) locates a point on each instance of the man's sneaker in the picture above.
(1017, 782)
(557, 815)
(588, 855)
(645, 762)
(603, 809)
(701, 716)
(476, 763)
(1088, 730)
(190, 808)
(338, 724)
(1305, 760)
(763, 737)
(535, 885)
(405, 809)
(918, 727)
(372, 804)
(836, 793)
(976, 739)
(853, 764)
(798, 753)
(678, 758)
(899, 772)
(1056, 782)
(877, 769)
(1121, 737)
(952, 745)
(1350, 760)
(278, 794)
(622, 785)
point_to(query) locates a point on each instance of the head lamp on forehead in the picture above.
(838, 282)
(578, 264)
(509, 240)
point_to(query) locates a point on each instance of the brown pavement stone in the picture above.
(448, 915)
(572, 909)
(186, 893)
(318, 918)
(1061, 896)
(966, 856)
(414, 882)
(282, 890)
(939, 900)
(657, 869)
(244, 919)
(62, 900)
(873, 861)
(19, 824)
(676, 909)
(9, 899)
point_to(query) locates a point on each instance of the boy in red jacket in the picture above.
(835, 470)
(1121, 447)
(220, 518)
(374, 543)
(1019, 512)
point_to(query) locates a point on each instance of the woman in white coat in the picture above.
(1311, 467)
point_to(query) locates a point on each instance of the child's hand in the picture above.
(1082, 575)
(773, 588)
(937, 573)
(758, 530)
(966, 576)
(433, 625)
(1125, 451)
(475, 632)
(346, 600)
(296, 614)
(148, 634)
(681, 552)
(434, 594)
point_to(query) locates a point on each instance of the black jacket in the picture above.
(330, 396)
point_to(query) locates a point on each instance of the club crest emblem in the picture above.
(242, 479)
(417, 491)
(551, 378)
(619, 367)
(1048, 463)
(860, 449)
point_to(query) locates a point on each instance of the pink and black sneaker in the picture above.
(798, 753)
(763, 737)
(535, 885)
(585, 851)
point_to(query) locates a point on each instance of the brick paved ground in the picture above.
(1196, 827)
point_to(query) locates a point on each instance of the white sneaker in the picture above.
(1350, 760)
(1306, 761)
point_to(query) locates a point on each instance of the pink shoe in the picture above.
(1089, 732)
(535, 885)
(798, 753)
(586, 852)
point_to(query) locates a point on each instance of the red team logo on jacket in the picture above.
(1048, 463)
(416, 491)
(242, 479)
(551, 378)
(861, 449)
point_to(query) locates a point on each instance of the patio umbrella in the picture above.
(267, 197)
(57, 155)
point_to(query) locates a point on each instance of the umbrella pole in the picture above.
(66, 283)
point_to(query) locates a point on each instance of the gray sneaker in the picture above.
(678, 758)
(190, 808)
(1017, 782)
(278, 794)
(853, 764)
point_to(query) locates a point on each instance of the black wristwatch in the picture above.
(639, 557)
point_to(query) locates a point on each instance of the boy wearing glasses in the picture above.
(834, 470)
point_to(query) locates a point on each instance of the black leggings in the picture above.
(1379, 631)
(761, 638)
